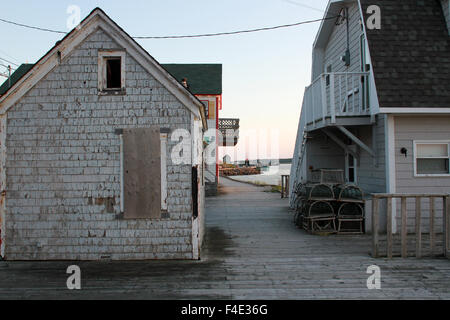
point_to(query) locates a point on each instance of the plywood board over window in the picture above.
(142, 173)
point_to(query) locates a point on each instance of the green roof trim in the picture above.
(201, 78)
(19, 73)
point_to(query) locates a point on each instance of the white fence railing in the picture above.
(337, 94)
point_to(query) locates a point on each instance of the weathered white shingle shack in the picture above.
(101, 154)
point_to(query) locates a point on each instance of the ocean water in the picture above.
(271, 176)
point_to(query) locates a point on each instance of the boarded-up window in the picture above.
(142, 173)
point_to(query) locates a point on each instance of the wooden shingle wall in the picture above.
(63, 166)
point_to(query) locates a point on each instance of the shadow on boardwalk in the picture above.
(252, 251)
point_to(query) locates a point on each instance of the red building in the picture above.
(205, 82)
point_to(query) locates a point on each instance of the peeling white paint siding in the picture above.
(337, 44)
(3, 121)
(197, 159)
(201, 179)
(63, 153)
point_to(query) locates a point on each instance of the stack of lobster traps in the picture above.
(329, 206)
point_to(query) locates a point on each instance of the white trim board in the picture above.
(164, 193)
(391, 175)
(416, 110)
(374, 103)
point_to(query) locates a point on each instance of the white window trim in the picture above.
(103, 55)
(122, 191)
(164, 137)
(354, 167)
(415, 143)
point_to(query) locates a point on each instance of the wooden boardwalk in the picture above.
(253, 251)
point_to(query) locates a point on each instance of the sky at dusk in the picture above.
(264, 73)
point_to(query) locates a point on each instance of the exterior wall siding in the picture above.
(372, 176)
(322, 152)
(408, 129)
(63, 165)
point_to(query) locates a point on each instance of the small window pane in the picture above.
(432, 166)
(351, 175)
(432, 150)
(351, 161)
(113, 73)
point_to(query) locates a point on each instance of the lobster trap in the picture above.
(329, 208)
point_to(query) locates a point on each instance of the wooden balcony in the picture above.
(340, 98)
(230, 132)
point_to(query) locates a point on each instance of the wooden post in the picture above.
(418, 228)
(389, 227)
(287, 186)
(332, 100)
(284, 186)
(447, 226)
(431, 226)
(404, 230)
(375, 227)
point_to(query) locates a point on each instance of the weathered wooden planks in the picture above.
(418, 241)
(142, 173)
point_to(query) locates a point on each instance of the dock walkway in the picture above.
(253, 251)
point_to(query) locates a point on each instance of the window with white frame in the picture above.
(111, 71)
(431, 158)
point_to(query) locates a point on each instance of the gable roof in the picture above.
(201, 78)
(19, 73)
(410, 54)
(98, 19)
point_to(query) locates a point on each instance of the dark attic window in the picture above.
(113, 73)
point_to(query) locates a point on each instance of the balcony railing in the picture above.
(340, 94)
(230, 131)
